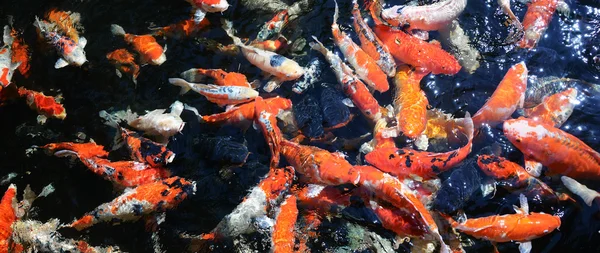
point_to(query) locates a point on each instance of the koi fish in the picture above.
(508, 96)
(66, 22)
(219, 77)
(145, 199)
(20, 53)
(144, 150)
(417, 53)
(406, 162)
(561, 152)
(71, 51)
(538, 16)
(352, 86)
(431, 17)
(410, 102)
(183, 29)
(8, 216)
(554, 110)
(521, 227)
(124, 173)
(124, 61)
(221, 95)
(245, 113)
(204, 6)
(273, 26)
(588, 195)
(282, 68)
(366, 68)
(268, 124)
(283, 232)
(160, 124)
(7, 66)
(149, 50)
(371, 44)
(44, 105)
(512, 36)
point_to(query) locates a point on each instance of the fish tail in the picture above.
(468, 126)
(580, 190)
(318, 46)
(193, 75)
(185, 86)
(228, 27)
(117, 30)
(336, 14)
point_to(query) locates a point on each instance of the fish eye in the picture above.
(519, 140)
(157, 160)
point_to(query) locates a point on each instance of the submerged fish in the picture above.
(160, 124)
(204, 6)
(149, 50)
(273, 26)
(46, 106)
(7, 66)
(221, 95)
(124, 61)
(424, 17)
(410, 102)
(71, 51)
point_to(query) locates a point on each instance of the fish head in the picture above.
(160, 60)
(213, 5)
(76, 56)
(292, 70)
(526, 134)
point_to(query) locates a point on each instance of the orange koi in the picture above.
(366, 68)
(406, 162)
(410, 102)
(219, 77)
(82, 150)
(554, 110)
(125, 173)
(244, 113)
(221, 95)
(67, 22)
(8, 216)
(204, 6)
(508, 96)
(283, 233)
(538, 16)
(266, 119)
(560, 151)
(144, 150)
(417, 53)
(143, 200)
(521, 227)
(351, 85)
(321, 198)
(397, 220)
(183, 29)
(124, 61)
(44, 105)
(277, 181)
(20, 53)
(371, 44)
(149, 50)
(273, 26)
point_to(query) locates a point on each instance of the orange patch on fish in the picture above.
(44, 105)
(7, 216)
(538, 16)
(410, 102)
(283, 231)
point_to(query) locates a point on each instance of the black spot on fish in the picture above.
(276, 60)
(400, 152)
(120, 176)
(165, 193)
(392, 156)
(138, 209)
(408, 162)
(435, 169)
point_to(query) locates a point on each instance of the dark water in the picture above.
(567, 50)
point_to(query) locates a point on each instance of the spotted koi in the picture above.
(266, 119)
(219, 77)
(273, 26)
(221, 95)
(71, 51)
(204, 6)
(144, 150)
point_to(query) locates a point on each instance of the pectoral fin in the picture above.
(525, 247)
(61, 63)
(82, 42)
(199, 15)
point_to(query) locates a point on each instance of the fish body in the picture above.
(158, 123)
(219, 77)
(273, 26)
(8, 216)
(67, 22)
(144, 150)
(81, 150)
(125, 173)
(373, 45)
(7, 66)
(283, 232)
(221, 95)
(244, 113)
(184, 29)
(588, 195)
(538, 16)
(204, 6)
(510, 227)
(270, 45)
(410, 102)
(71, 51)
(266, 119)
(508, 96)
(561, 152)
(416, 52)
(20, 53)
(124, 61)
(366, 68)
(149, 50)
(44, 105)
(351, 85)
(145, 199)
(431, 17)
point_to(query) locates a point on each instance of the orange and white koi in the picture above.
(149, 50)
(561, 152)
(283, 232)
(71, 51)
(410, 102)
(270, 45)
(82, 150)
(371, 44)
(416, 52)
(144, 150)
(538, 16)
(554, 110)
(124, 61)
(588, 195)
(520, 227)
(244, 114)
(183, 29)
(431, 17)
(366, 68)
(67, 22)
(266, 119)
(20, 53)
(7, 66)
(219, 77)
(508, 96)
(282, 68)
(406, 162)
(46, 106)
(8, 216)
(352, 86)
(221, 95)
(273, 26)
(143, 200)
(204, 6)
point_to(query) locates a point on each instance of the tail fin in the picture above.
(336, 13)
(117, 30)
(185, 86)
(374, 7)
(580, 190)
(193, 75)
(318, 46)
(228, 27)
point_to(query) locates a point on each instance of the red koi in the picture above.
(44, 105)
(145, 45)
(219, 77)
(8, 216)
(144, 150)
(273, 26)
(66, 22)
(283, 233)
(124, 61)
(183, 29)
(20, 53)
(243, 114)
(536, 20)
(410, 102)
(266, 119)
(83, 150)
